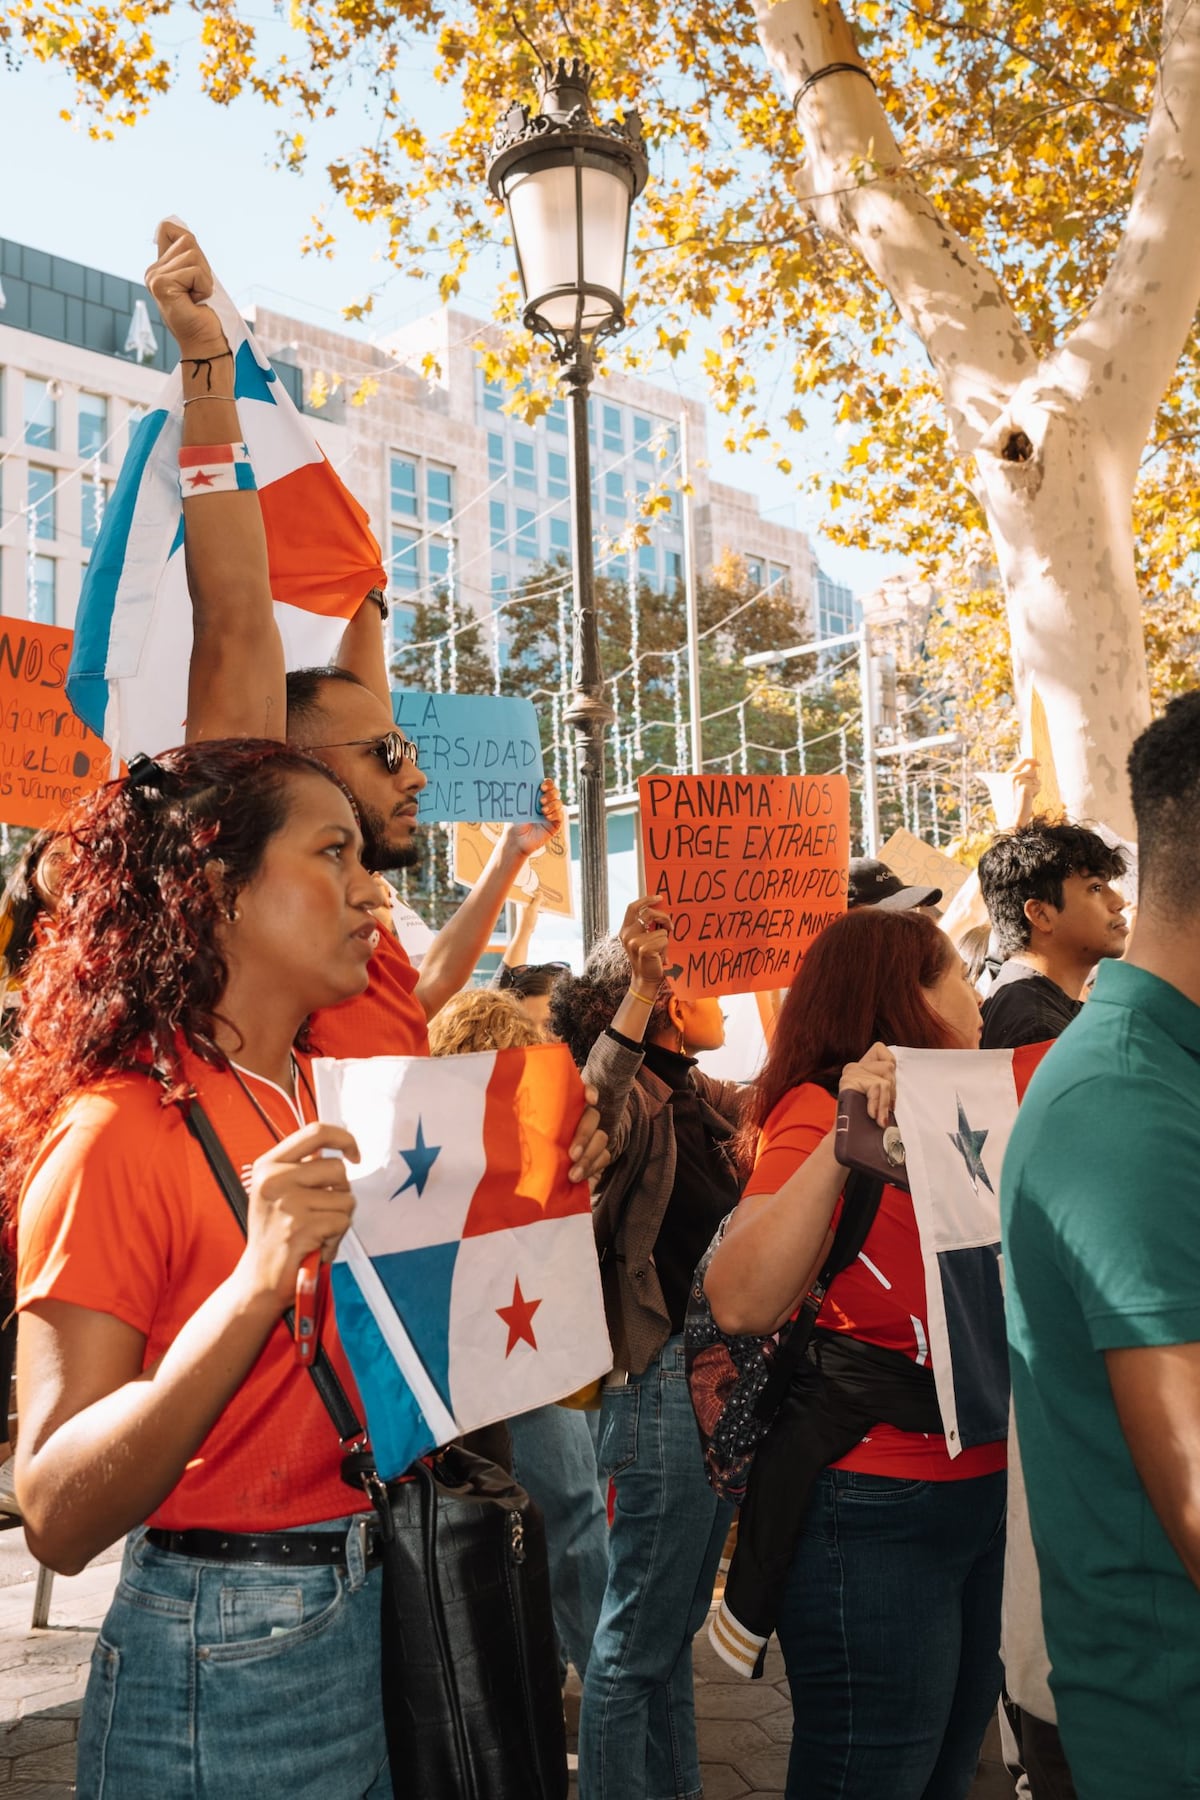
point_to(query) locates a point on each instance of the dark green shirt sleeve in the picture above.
(1119, 1189)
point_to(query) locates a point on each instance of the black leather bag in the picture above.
(471, 1698)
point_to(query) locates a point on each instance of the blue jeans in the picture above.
(219, 1681)
(554, 1459)
(637, 1727)
(890, 1630)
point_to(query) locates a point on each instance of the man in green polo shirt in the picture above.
(1100, 1201)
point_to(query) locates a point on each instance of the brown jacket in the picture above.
(635, 1112)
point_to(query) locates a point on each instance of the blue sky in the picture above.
(97, 203)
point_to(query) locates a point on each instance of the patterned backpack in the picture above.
(738, 1383)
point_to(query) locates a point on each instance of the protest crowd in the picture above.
(938, 1426)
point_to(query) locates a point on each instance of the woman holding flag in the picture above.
(889, 1619)
(213, 900)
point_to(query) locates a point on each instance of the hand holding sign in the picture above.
(646, 934)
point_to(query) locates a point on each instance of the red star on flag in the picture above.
(200, 479)
(519, 1319)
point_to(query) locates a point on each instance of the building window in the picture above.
(524, 467)
(404, 487)
(40, 499)
(439, 563)
(781, 578)
(558, 482)
(133, 419)
(614, 495)
(93, 424)
(560, 537)
(527, 543)
(556, 418)
(405, 572)
(614, 429)
(499, 522)
(93, 497)
(439, 494)
(41, 414)
(496, 465)
(643, 431)
(41, 590)
(648, 562)
(675, 568)
(493, 396)
(403, 622)
(754, 571)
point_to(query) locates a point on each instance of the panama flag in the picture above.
(955, 1110)
(467, 1288)
(133, 631)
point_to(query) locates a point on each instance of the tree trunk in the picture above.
(1060, 524)
(1053, 446)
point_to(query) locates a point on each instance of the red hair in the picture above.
(130, 966)
(862, 982)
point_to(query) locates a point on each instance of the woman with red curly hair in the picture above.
(889, 1616)
(210, 904)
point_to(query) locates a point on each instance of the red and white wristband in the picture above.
(215, 469)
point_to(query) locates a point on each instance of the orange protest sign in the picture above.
(48, 757)
(547, 870)
(752, 866)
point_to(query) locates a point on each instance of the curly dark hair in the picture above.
(130, 967)
(1164, 777)
(1031, 862)
(582, 1006)
(21, 906)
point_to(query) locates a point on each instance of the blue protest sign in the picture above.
(481, 754)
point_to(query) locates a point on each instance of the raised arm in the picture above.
(448, 963)
(236, 674)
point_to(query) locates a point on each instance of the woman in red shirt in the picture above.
(211, 903)
(890, 1616)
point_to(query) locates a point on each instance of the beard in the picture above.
(378, 855)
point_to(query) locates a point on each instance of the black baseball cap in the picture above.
(872, 883)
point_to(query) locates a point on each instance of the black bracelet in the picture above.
(380, 599)
(197, 363)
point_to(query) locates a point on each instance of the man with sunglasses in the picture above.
(238, 687)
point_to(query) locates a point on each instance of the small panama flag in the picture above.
(133, 630)
(467, 1288)
(956, 1111)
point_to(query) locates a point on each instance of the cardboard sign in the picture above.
(918, 864)
(48, 757)
(753, 867)
(548, 869)
(481, 754)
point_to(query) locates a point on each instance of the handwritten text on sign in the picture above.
(48, 757)
(753, 866)
(481, 755)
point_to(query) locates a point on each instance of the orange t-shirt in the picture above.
(388, 1020)
(880, 1298)
(122, 1214)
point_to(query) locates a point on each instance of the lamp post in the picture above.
(569, 185)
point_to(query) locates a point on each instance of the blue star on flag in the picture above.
(420, 1160)
(969, 1145)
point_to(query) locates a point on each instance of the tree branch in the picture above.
(861, 193)
(1121, 357)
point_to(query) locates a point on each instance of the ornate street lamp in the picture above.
(569, 185)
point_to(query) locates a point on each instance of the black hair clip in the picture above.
(147, 780)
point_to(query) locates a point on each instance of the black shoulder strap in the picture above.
(337, 1401)
(860, 1203)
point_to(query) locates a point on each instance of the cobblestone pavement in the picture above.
(743, 1727)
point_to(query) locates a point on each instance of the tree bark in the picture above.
(1055, 443)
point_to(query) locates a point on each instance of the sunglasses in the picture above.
(393, 749)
